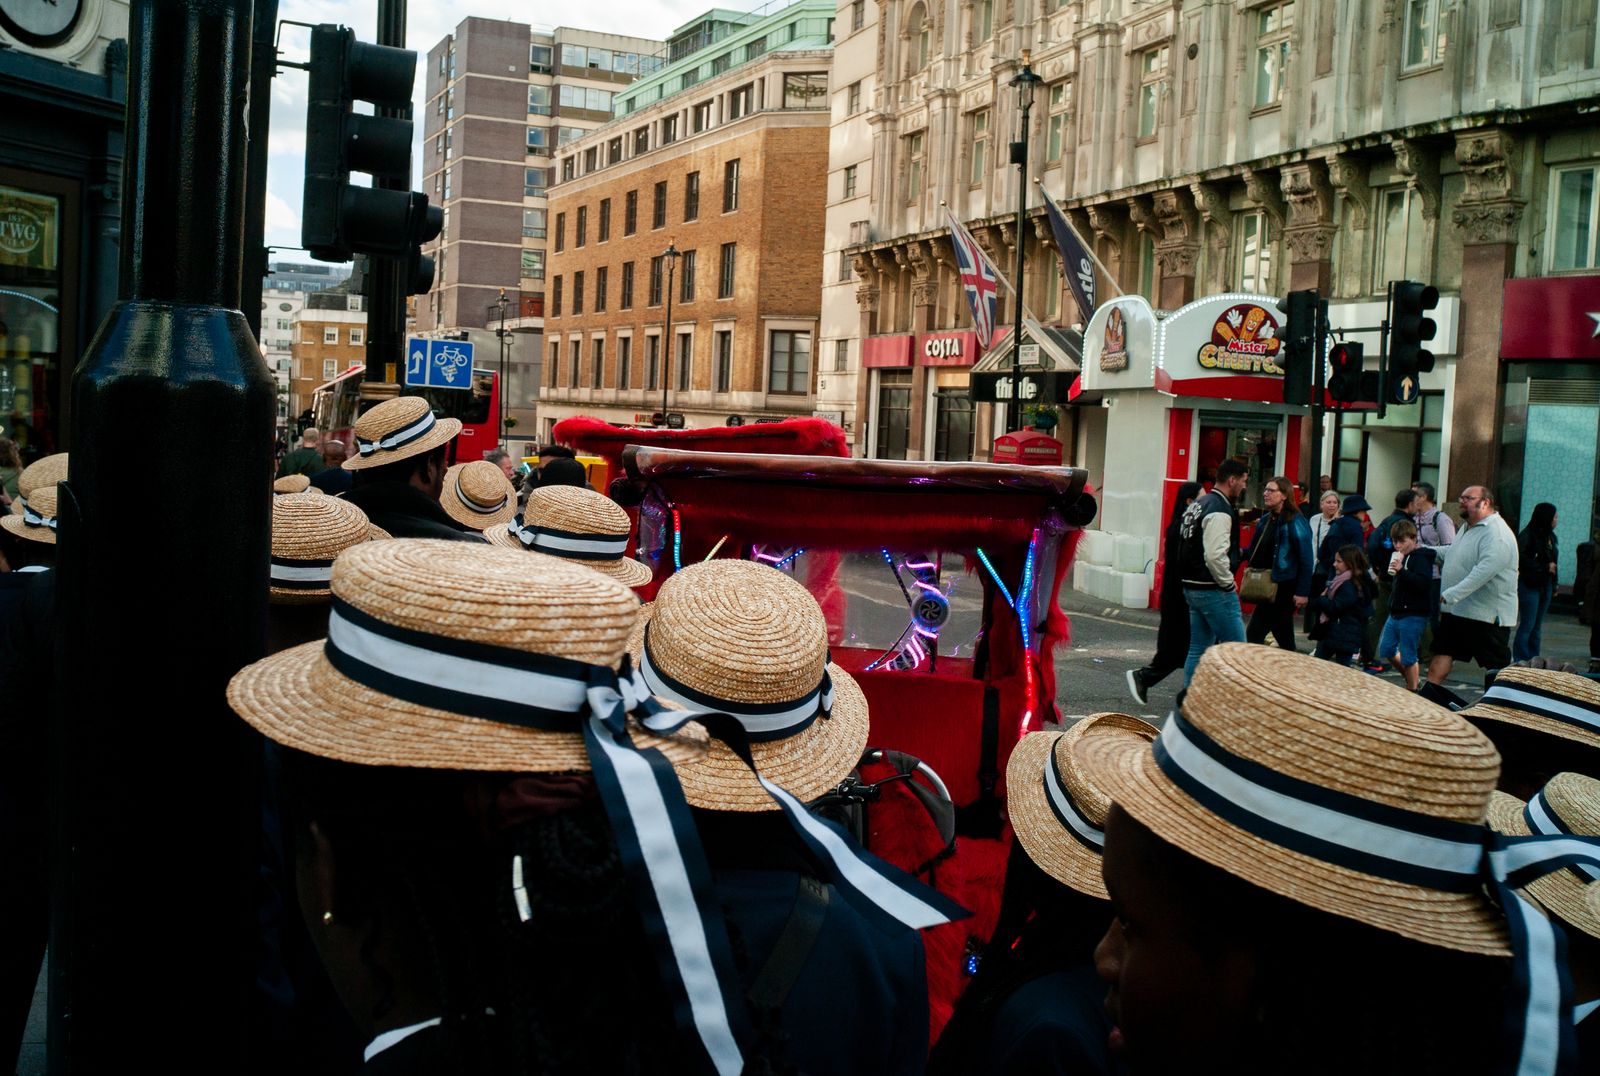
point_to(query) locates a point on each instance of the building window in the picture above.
(730, 185)
(846, 271)
(533, 223)
(652, 363)
(1573, 213)
(685, 360)
(577, 361)
(577, 293)
(561, 232)
(625, 300)
(630, 213)
(1274, 26)
(724, 356)
(657, 275)
(555, 363)
(739, 101)
(1052, 291)
(535, 181)
(614, 151)
(1401, 254)
(805, 91)
(597, 361)
(641, 141)
(725, 271)
(852, 99)
(719, 64)
(1060, 120)
(1255, 251)
(691, 196)
(858, 14)
(624, 362)
(921, 36)
(568, 168)
(1147, 266)
(602, 277)
(581, 231)
(330, 336)
(1352, 442)
(538, 101)
(330, 367)
(355, 337)
(983, 20)
(447, 184)
(555, 297)
(539, 59)
(1152, 85)
(539, 141)
(789, 362)
(658, 212)
(1424, 44)
(669, 130)
(758, 47)
(603, 225)
(533, 265)
(568, 135)
(952, 430)
(894, 414)
(841, 356)
(978, 135)
(686, 281)
(700, 117)
(849, 181)
(914, 147)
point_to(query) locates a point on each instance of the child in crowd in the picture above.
(1343, 609)
(1410, 601)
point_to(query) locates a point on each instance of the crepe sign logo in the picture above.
(1114, 349)
(1244, 340)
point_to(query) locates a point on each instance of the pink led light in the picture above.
(929, 587)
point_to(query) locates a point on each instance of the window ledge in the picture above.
(1421, 69)
(1145, 140)
(1262, 110)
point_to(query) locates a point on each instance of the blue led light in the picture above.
(677, 542)
(1004, 593)
(790, 559)
(1025, 593)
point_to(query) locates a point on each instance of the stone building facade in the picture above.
(330, 336)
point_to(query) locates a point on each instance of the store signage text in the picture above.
(1114, 350)
(942, 347)
(19, 231)
(1244, 340)
(1027, 389)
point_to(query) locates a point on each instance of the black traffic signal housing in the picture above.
(1344, 372)
(1410, 327)
(337, 218)
(1299, 345)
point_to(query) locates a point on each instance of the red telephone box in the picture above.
(1027, 446)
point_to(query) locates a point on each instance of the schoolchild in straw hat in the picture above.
(1299, 881)
(43, 472)
(747, 645)
(1036, 1003)
(399, 469)
(478, 495)
(578, 524)
(1568, 804)
(293, 483)
(1542, 721)
(309, 531)
(492, 853)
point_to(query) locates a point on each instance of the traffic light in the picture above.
(1344, 372)
(338, 219)
(1299, 345)
(1410, 326)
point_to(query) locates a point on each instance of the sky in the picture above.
(426, 24)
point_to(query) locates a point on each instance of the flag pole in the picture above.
(999, 276)
(1100, 265)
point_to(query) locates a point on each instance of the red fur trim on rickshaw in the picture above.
(791, 437)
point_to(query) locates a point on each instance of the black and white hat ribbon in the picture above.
(1543, 821)
(1066, 809)
(399, 438)
(474, 506)
(883, 892)
(30, 518)
(656, 835)
(294, 574)
(1409, 848)
(574, 545)
(1527, 699)
(763, 722)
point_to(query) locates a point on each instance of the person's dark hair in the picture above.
(1488, 494)
(563, 471)
(401, 470)
(1401, 529)
(496, 455)
(425, 855)
(1403, 499)
(1291, 499)
(9, 456)
(1425, 489)
(1185, 495)
(1355, 560)
(550, 452)
(1333, 996)
(1231, 468)
(1544, 516)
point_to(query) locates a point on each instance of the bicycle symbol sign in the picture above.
(438, 364)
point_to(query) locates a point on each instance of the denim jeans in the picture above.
(1401, 634)
(1532, 602)
(1214, 617)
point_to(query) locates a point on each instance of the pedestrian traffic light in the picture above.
(339, 219)
(1344, 372)
(1410, 326)
(1299, 344)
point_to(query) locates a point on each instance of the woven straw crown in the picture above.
(1568, 685)
(46, 471)
(576, 510)
(390, 417)
(1333, 728)
(43, 503)
(310, 526)
(478, 495)
(292, 483)
(1574, 799)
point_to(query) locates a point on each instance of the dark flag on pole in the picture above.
(1077, 264)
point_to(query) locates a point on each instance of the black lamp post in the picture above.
(672, 254)
(505, 348)
(1025, 81)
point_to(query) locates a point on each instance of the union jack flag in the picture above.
(978, 280)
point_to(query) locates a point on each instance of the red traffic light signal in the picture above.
(1344, 371)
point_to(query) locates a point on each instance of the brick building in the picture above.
(708, 181)
(330, 336)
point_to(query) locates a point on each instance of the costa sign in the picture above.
(942, 347)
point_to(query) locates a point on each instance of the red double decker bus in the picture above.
(337, 404)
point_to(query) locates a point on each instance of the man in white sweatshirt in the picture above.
(1478, 589)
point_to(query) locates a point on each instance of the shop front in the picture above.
(1164, 401)
(1550, 422)
(919, 399)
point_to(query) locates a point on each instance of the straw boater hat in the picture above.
(1568, 803)
(745, 639)
(37, 521)
(45, 471)
(398, 429)
(577, 523)
(478, 495)
(1340, 751)
(456, 603)
(309, 531)
(1560, 704)
(292, 483)
(1057, 811)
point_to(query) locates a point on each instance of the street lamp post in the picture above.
(1025, 81)
(505, 348)
(671, 254)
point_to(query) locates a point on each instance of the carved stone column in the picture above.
(1143, 219)
(1179, 246)
(1347, 175)
(867, 295)
(1268, 196)
(1216, 234)
(1107, 240)
(1419, 163)
(1488, 218)
(1308, 225)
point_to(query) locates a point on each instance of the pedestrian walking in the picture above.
(1343, 609)
(1435, 528)
(1536, 580)
(1478, 600)
(1344, 529)
(1321, 522)
(1208, 557)
(1280, 557)
(1172, 634)
(399, 470)
(1036, 1005)
(307, 459)
(1410, 571)
(1380, 550)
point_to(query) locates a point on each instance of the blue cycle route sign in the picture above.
(438, 364)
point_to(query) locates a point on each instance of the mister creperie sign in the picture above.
(1244, 340)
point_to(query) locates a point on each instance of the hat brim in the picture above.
(625, 570)
(1488, 711)
(478, 521)
(443, 430)
(1048, 843)
(1559, 892)
(296, 698)
(1466, 922)
(15, 524)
